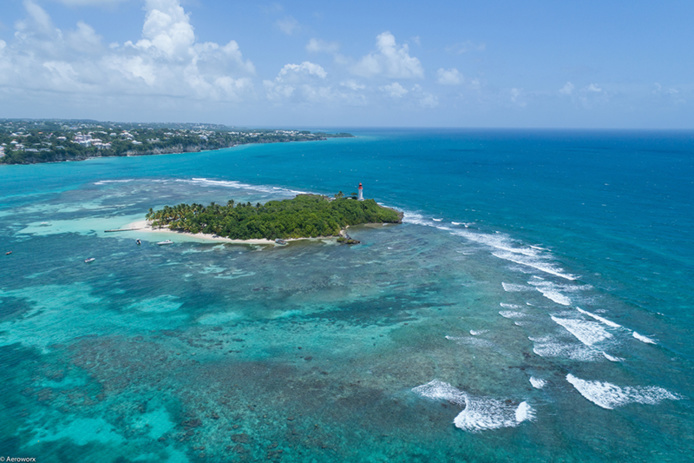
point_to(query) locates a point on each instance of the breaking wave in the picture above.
(587, 332)
(537, 383)
(643, 338)
(480, 413)
(599, 318)
(550, 347)
(610, 396)
(503, 246)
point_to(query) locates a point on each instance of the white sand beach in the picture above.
(143, 226)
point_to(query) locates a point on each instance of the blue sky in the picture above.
(495, 63)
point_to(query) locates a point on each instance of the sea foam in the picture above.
(612, 358)
(599, 318)
(536, 263)
(439, 390)
(480, 413)
(514, 288)
(484, 413)
(241, 186)
(609, 396)
(643, 338)
(537, 383)
(587, 332)
(511, 314)
(550, 347)
(551, 292)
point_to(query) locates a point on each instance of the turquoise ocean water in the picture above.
(535, 305)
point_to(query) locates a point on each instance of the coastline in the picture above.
(143, 226)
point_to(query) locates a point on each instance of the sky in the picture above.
(309, 63)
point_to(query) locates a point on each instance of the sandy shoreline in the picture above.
(142, 226)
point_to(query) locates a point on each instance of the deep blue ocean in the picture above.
(536, 304)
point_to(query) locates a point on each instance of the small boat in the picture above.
(280, 242)
(8, 253)
(91, 259)
(162, 243)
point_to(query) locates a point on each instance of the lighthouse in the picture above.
(360, 195)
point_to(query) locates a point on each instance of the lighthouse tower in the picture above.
(360, 195)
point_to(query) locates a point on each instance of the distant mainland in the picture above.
(305, 216)
(30, 141)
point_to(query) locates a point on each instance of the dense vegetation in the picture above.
(34, 141)
(302, 217)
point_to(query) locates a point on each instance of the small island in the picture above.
(305, 216)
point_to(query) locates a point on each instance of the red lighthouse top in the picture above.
(360, 187)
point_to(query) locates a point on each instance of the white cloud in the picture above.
(39, 17)
(353, 85)
(567, 89)
(449, 76)
(166, 61)
(308, 84)
(321, 46)
(167, 30)
(394, 90)
(389, 60)
(476, 85)
(291, 71)
(288, 25)
(517, 97)
(295, 76)
(587, 96)
(84, 39)
(429, 101)
(90, 2)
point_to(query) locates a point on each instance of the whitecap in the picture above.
(514, 288)
(478, 332)
(524, 412)
(535, 263)
(414, 218)
(480, 413)
(643, 338)
(537, 383)
(439, 390)
(599, 318)
(509, 306)
(483, 413)
(105, 182)
(511, 314)
(611, 358)
(498, 241)
(609, 396)
(238, 185)
(587, 332)
(550, 347)
(551, 292)
(505, 247)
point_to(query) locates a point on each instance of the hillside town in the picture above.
(26, 141)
